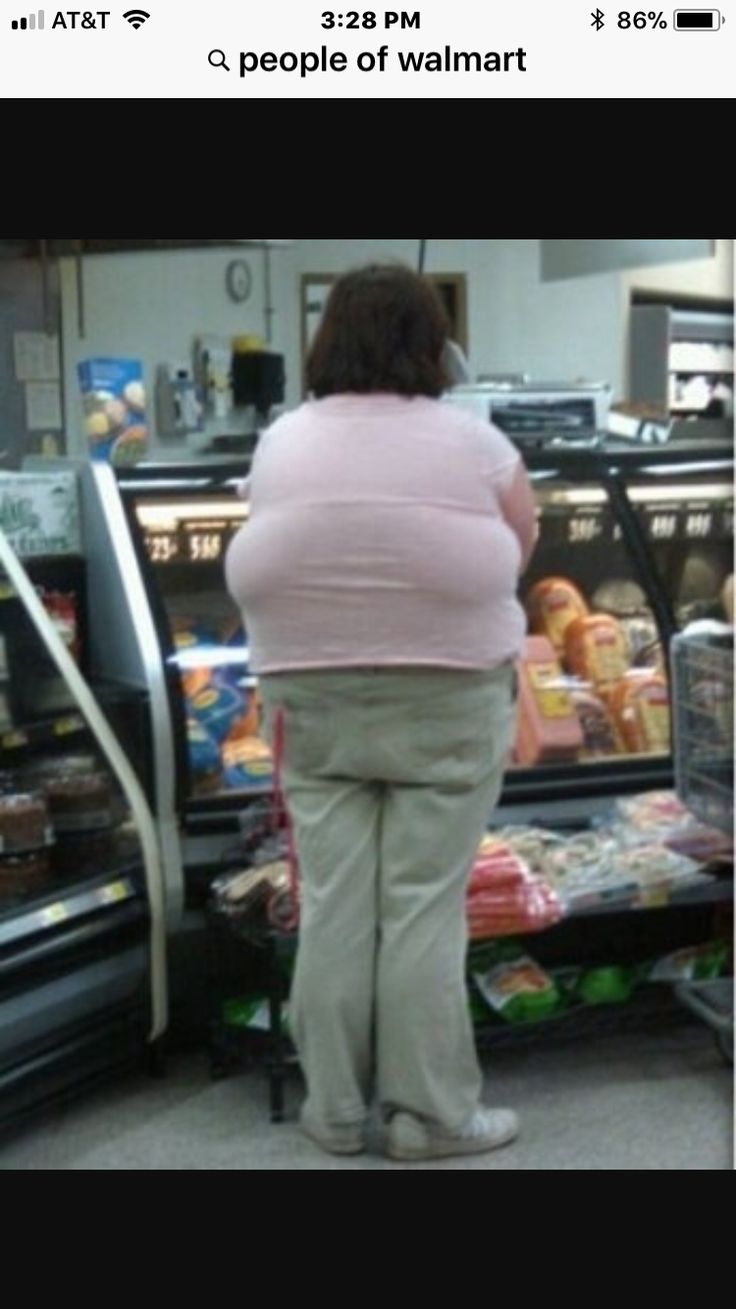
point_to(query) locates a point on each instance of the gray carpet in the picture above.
(627, 1102)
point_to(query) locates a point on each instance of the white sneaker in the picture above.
(410, 1138)
(336, 1138)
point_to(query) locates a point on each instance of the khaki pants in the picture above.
(390, 777)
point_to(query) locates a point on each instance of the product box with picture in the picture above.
(114, 403)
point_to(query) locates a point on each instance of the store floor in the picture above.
(624, 1102)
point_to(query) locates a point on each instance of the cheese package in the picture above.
(552, 604)
(596, 650)
(640, 707)
(547, 727)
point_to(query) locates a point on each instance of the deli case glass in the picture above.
(633, 543)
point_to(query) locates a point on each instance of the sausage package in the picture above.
(596, 649)
(552, 604)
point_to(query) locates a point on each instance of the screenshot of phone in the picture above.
(325, 49)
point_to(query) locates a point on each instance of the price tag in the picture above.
(205, 547)
(162, 547)
(581, 529)
(12, 740)
(655, 897)
(698, 526)
(663, 526)
(55, 913)
(6, 591)
(64, 726)
(113, 892)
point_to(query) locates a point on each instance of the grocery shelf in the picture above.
(61, 905)
(44, 732)
(717, 891)
(649, 1007)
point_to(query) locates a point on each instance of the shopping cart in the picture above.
(702, 700)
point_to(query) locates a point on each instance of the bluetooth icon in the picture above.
(597, 17)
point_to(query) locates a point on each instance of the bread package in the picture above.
(596, 650)
(552, 604)
(640, 707)
(547, 727)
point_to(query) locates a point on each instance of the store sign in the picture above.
(202, 541)
(689, 520)
(662, 520)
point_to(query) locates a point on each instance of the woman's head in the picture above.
(383, 329)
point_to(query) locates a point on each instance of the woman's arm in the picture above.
(519, 510)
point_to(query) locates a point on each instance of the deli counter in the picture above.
(633, 543)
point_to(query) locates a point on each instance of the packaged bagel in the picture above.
(552, 604)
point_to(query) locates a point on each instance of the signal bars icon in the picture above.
(136, 17)
(31, 23)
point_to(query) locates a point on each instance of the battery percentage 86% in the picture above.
(639, 19)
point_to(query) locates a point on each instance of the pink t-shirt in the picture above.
(375, 537)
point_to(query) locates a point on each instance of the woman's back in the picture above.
(376, 537)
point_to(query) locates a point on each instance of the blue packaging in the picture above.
(114, 402)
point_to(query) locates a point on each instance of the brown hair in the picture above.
(383, 329)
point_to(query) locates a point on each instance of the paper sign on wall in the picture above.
(36, 356)
(43, 406)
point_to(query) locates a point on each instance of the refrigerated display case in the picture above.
(82, 969)
(634, 542)
(164, 622)
(644, 535)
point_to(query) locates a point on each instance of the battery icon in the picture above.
(697, 20)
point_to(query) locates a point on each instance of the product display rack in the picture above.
(77, 937)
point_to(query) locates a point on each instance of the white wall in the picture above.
(566, 330)
(151, 306)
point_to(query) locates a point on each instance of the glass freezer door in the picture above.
(593, 678)
(185, 537)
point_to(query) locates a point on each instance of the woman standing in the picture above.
(377, 575)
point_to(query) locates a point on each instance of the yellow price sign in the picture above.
(113, 892)
(11, 740)
(55, 913)
(6, 591)
(63, 726)
(654, 898)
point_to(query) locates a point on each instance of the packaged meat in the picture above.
(620, 597)
(24, 823)
(641, 710)
(552, 604)
(20, 874)
(547, 726)
(80, 802)
(599, 733)
(596, 650)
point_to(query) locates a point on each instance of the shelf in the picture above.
(654, 1003)
(61, 906)
(716, 891)
(42, 733)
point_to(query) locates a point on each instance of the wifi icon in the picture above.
(136, 17)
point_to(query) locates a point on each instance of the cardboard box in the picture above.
(39, 513)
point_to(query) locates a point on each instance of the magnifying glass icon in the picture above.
(217, 59)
